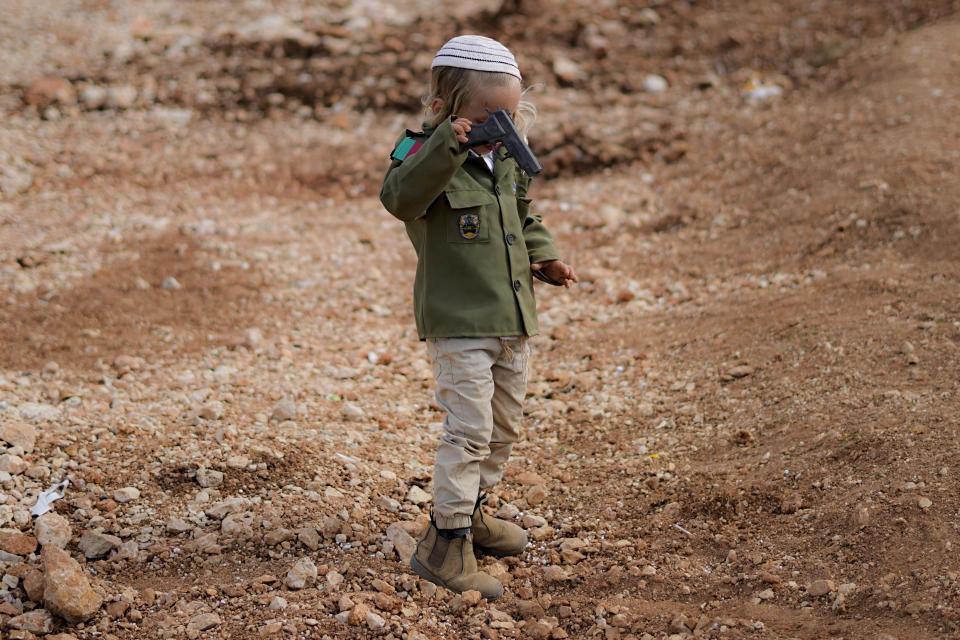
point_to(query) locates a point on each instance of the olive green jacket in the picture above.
(474, 236)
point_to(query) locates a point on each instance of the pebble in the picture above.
(924, 503)
(204, 622)
(654, 83)
(285, 409)
(66, 591)
(821, 587)
(403, 542)
(208, 478)
(309, 538)
(278, 603)
(53, 530)
(301, 575)
(127, 494)
(14, 465)
(95, 544)
(170, 284)
(388, 504)
(536, 495)
(351, 412)
(418, 496)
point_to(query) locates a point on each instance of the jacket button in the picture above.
(511, 238)
(516, 285)
(496, 189)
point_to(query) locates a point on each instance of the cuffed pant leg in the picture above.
(510, 387)
(465, 388)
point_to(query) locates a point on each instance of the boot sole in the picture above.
(425, 573)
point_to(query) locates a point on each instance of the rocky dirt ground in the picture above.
(742, 424)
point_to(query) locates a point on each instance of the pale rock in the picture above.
(14, 465)
(96, 544)
(204, 622)
(238, 462)
(388, 504)
(211, 411)
(170, 284)
(334, 579)
(278, 536)
(566, 70)
(766, 594)
(507, 511)
(209, 478)
(252, 338)
(309, 538)
(418, 496)
(924, 503)
(19, 434)
(237, 525)
(301, 575)
(53, 530)
(403, 542)
(38, 621)
(278, 603)
(178, 525)
(127, 494)
(225, 507)
(351, 412)
(374, 621)
(66, 591)
(530, 521)
(93, 97)
(284, 410)
(654, 83)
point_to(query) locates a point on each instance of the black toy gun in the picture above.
(499, 127)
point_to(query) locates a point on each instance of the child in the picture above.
(468, 217)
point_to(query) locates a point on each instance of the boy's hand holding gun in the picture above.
(497, 129)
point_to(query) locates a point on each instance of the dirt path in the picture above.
(741, 425)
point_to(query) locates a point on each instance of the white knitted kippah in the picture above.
(476, 52)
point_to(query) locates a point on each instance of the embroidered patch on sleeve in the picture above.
(405, 149)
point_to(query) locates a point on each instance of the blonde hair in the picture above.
(455, 86)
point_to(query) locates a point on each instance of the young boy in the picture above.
(477, 243)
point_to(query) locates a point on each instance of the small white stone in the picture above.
(127, 494)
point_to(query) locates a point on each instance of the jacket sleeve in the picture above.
(539, 241)
(411, 185)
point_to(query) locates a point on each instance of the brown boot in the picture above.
(451, 564)
(494, 536)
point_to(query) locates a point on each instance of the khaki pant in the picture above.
(481, 383)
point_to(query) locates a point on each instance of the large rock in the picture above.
(19, 434)
(66, 591)
(53, 530)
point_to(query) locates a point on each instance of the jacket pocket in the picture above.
(467, 222)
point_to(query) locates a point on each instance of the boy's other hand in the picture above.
(557, 270)
(461, 126)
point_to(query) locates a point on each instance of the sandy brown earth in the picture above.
(742, 423)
